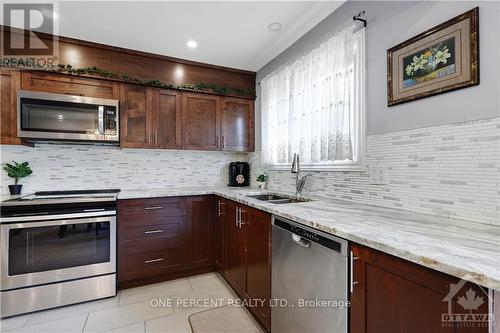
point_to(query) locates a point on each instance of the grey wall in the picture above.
(390, 23)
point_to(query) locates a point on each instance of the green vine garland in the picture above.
(200, 86)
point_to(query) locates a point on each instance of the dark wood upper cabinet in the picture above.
(258, 261)
(393, 295)
(9, 84)
(201, 121)
(217, 123)
(149, 117)
(220, 234)
(5, 104)
(237, 124)
(200, 223)
(167, 119)
(135, 116)
(70, 85)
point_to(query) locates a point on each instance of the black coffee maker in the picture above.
(239, 174)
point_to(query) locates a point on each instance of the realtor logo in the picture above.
(23, 45)
(468, 305)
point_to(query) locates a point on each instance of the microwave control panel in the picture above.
(111, 120)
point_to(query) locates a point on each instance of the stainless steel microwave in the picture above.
(48, 116)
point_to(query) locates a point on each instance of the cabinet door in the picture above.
(220, 234)
(70, 85)
(258, 261)
(200, 231)
(167, 119)
(235, 250)
(9, 84)
(201, 121)
(135, 116)
(237, 124)
(393, 295)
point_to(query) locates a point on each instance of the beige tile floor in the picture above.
(132, 310)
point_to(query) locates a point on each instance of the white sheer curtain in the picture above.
(313, 105)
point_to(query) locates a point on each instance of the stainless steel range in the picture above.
(57, 248)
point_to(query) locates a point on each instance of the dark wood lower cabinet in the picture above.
(235, 271)
(392, 295)
(258, 261)
(200, 231)
(164, 238)
(220, 234)
(167, 238)
(245, 258)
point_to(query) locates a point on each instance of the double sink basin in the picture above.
(277, 198)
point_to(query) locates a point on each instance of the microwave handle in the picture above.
(101, 119)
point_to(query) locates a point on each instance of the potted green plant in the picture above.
(262, 180)
(17, 171)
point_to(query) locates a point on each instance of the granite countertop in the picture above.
(460, 248)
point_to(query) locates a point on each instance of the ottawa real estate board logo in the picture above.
(468, 305)
(29, 35)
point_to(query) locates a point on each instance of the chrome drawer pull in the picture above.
(148, 232)
(153, 208)
(153, 260)
(219, 210)
(240, 219)
(353, 283)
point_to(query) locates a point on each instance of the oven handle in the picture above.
(58, 222)
(17, 219)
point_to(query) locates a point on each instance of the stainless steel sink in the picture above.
(277, 198)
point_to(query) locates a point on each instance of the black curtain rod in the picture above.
(358, 16)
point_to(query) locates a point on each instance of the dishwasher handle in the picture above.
(311, 236)
(301, 241)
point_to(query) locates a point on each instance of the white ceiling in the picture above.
(232, 33)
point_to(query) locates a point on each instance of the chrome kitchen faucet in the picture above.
(300, 182)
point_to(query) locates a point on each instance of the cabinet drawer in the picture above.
(174, 226)
(150, 211)
(69, 85)
(155, 244)
(165, 261)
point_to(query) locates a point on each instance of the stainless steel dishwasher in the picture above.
(309, 272)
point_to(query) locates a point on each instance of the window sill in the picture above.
(337, 167)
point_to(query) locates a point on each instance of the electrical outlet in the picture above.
(378, 174)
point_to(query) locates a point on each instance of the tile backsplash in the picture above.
(60, 167)
(449, 170)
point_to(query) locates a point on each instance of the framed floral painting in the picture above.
(438, 60)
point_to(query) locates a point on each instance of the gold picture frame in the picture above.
(441, 59)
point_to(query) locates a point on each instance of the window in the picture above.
(315, 107)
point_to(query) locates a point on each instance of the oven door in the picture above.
(41, 252)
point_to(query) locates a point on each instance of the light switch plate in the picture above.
(378, 175)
